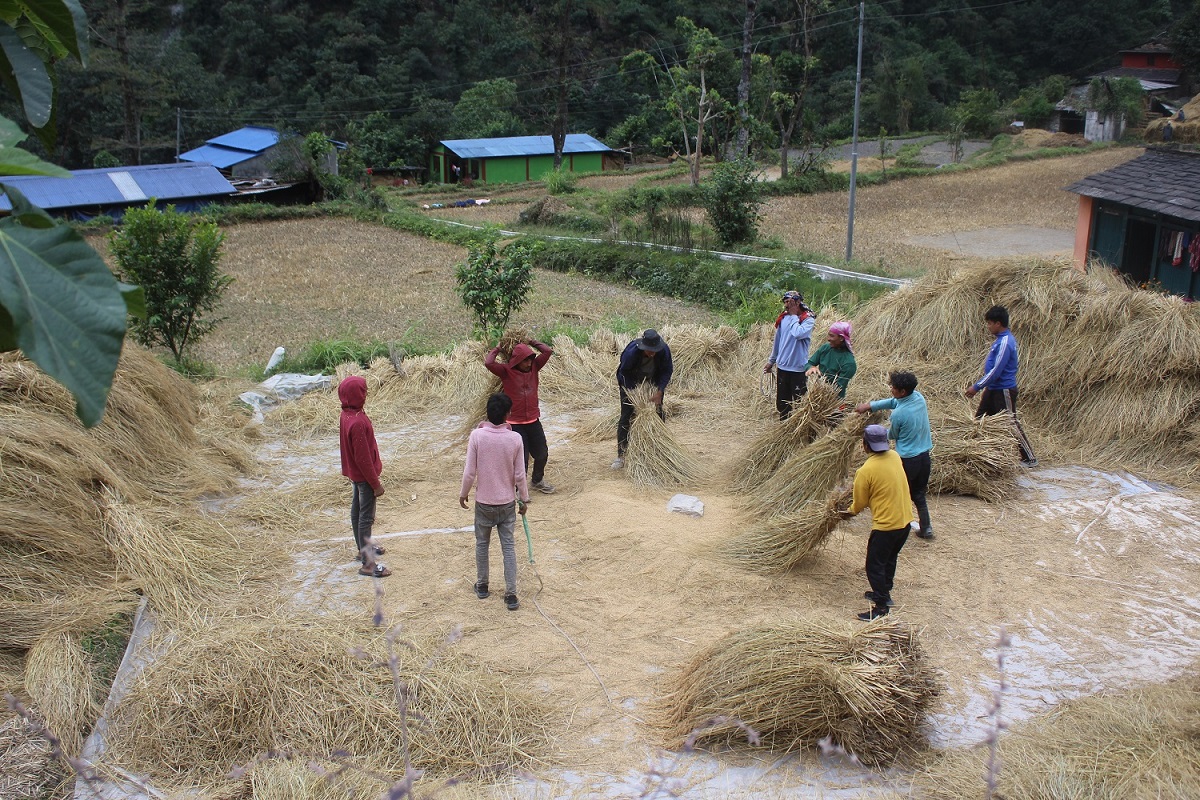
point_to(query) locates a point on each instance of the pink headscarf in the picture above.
(842, 329)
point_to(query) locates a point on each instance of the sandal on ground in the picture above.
(379, 551)
(380, 571)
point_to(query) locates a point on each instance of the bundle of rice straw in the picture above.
(59, 679)
(1135, 744)
(809, 473)
(476, 411)
(582, 377)
(238, 684)
(976, 457)
(813, 417)
(25, 620)
(701, 356)
(654, 457)
(779, 543)
(795, 682)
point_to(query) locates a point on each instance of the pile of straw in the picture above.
(1186, 132)
(975, 457)
(815, 415)
(701, 356)
(779, 543)
(866, 687)
(654, 457)
(59, 679)
(1139, 744)
(233, 686)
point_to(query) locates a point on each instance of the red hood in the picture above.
(353, 392)
(521, 352)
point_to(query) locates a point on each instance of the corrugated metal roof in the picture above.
(219, 157)
(120, 186)
(251, 138)
(1163, 181)
(523, 146)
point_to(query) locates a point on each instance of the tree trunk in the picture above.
(743, 134)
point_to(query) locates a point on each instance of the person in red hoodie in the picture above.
(519, 377)
(362, 465)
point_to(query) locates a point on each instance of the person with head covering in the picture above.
(789, 352)
(880, 485)
(644, 360)
(519, 378)
(362, 465)
(834, 359)
(914, 439)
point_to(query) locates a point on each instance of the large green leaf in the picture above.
(32, 76)
(63, 20)
(15, 161)
(65, 310)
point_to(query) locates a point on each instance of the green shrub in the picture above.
(323, 357)
(495, 284)
(560, 181)
(731, 199)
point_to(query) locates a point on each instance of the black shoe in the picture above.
(1031, 463)
(875, 613)
(925, 533)
(871, 596)
(510, 600)
(481, 590)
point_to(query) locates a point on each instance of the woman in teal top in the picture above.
(834, 360)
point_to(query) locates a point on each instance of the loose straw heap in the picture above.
(865, 687)
(233, 686)
(654, 457)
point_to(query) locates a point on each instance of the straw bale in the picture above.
(795, 682)
(177, 558)
(58, 676)
(779, 543)
(701, 355)
(24, 621)
(814, 416)
(811, 472)
(654, 457)
(1136, 744)
(237, 684)
(975, 457)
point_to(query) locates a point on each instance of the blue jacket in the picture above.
(792, 340)
(1000, 368)
(627, 369)
(910, 423)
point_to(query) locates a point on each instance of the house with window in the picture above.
(1143, 219)
(515, 159)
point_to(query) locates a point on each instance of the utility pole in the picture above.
(854, 139)
(178, 131)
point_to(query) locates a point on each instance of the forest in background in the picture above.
(392, 77)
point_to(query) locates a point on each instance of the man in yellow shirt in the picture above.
(880, 484)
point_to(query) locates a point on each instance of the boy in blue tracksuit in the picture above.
(999, 381)
(914, 439)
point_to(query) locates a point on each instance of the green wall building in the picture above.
(515, 159)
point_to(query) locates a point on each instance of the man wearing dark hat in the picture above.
(789, 352)
(880, 484)
(644, 360)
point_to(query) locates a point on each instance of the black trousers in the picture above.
(627, 414)
(789, 388)
(883, 548)
(362, 514)
(533, 440)
(916, 469)
(995, 401)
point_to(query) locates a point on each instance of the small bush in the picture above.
(323, 357)
(731, 198)
(560, 181)
(495, 284)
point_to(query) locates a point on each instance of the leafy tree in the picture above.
(495, 284)
(692, 98)
(175, 261)
(976, 111)
(731, 199)
(1185, 39)
(790, 78)
(486, 110)
(1117, 98)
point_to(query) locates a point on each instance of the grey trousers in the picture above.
(504, 519)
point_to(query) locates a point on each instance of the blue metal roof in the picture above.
(120, 186)
(219, 157)
(251, 139)
(523, 146)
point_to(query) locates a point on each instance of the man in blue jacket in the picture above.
(789, 353)
(914, 439)
(644, 360)
(999, 381)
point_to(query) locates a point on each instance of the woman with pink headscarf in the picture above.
(834, 359)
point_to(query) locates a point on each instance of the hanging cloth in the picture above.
(1194, 252)
(1177, 250)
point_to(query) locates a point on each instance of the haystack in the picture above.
(701, 356)
(59, 678)
(1137, 744)
(815, 415)
(975, 457)
(237, 684)
(779, 543)
(654, 457)
(865, 687)
(1186, 132)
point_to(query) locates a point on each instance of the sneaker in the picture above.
(511, 601)
(875, 613)
(481, 590)
(871, 596)
(1031, 463)
(619, 463)
(926, 533)
(543, 487)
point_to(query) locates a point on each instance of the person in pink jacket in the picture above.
(362, 465)
(519, 378)
(496, 466)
